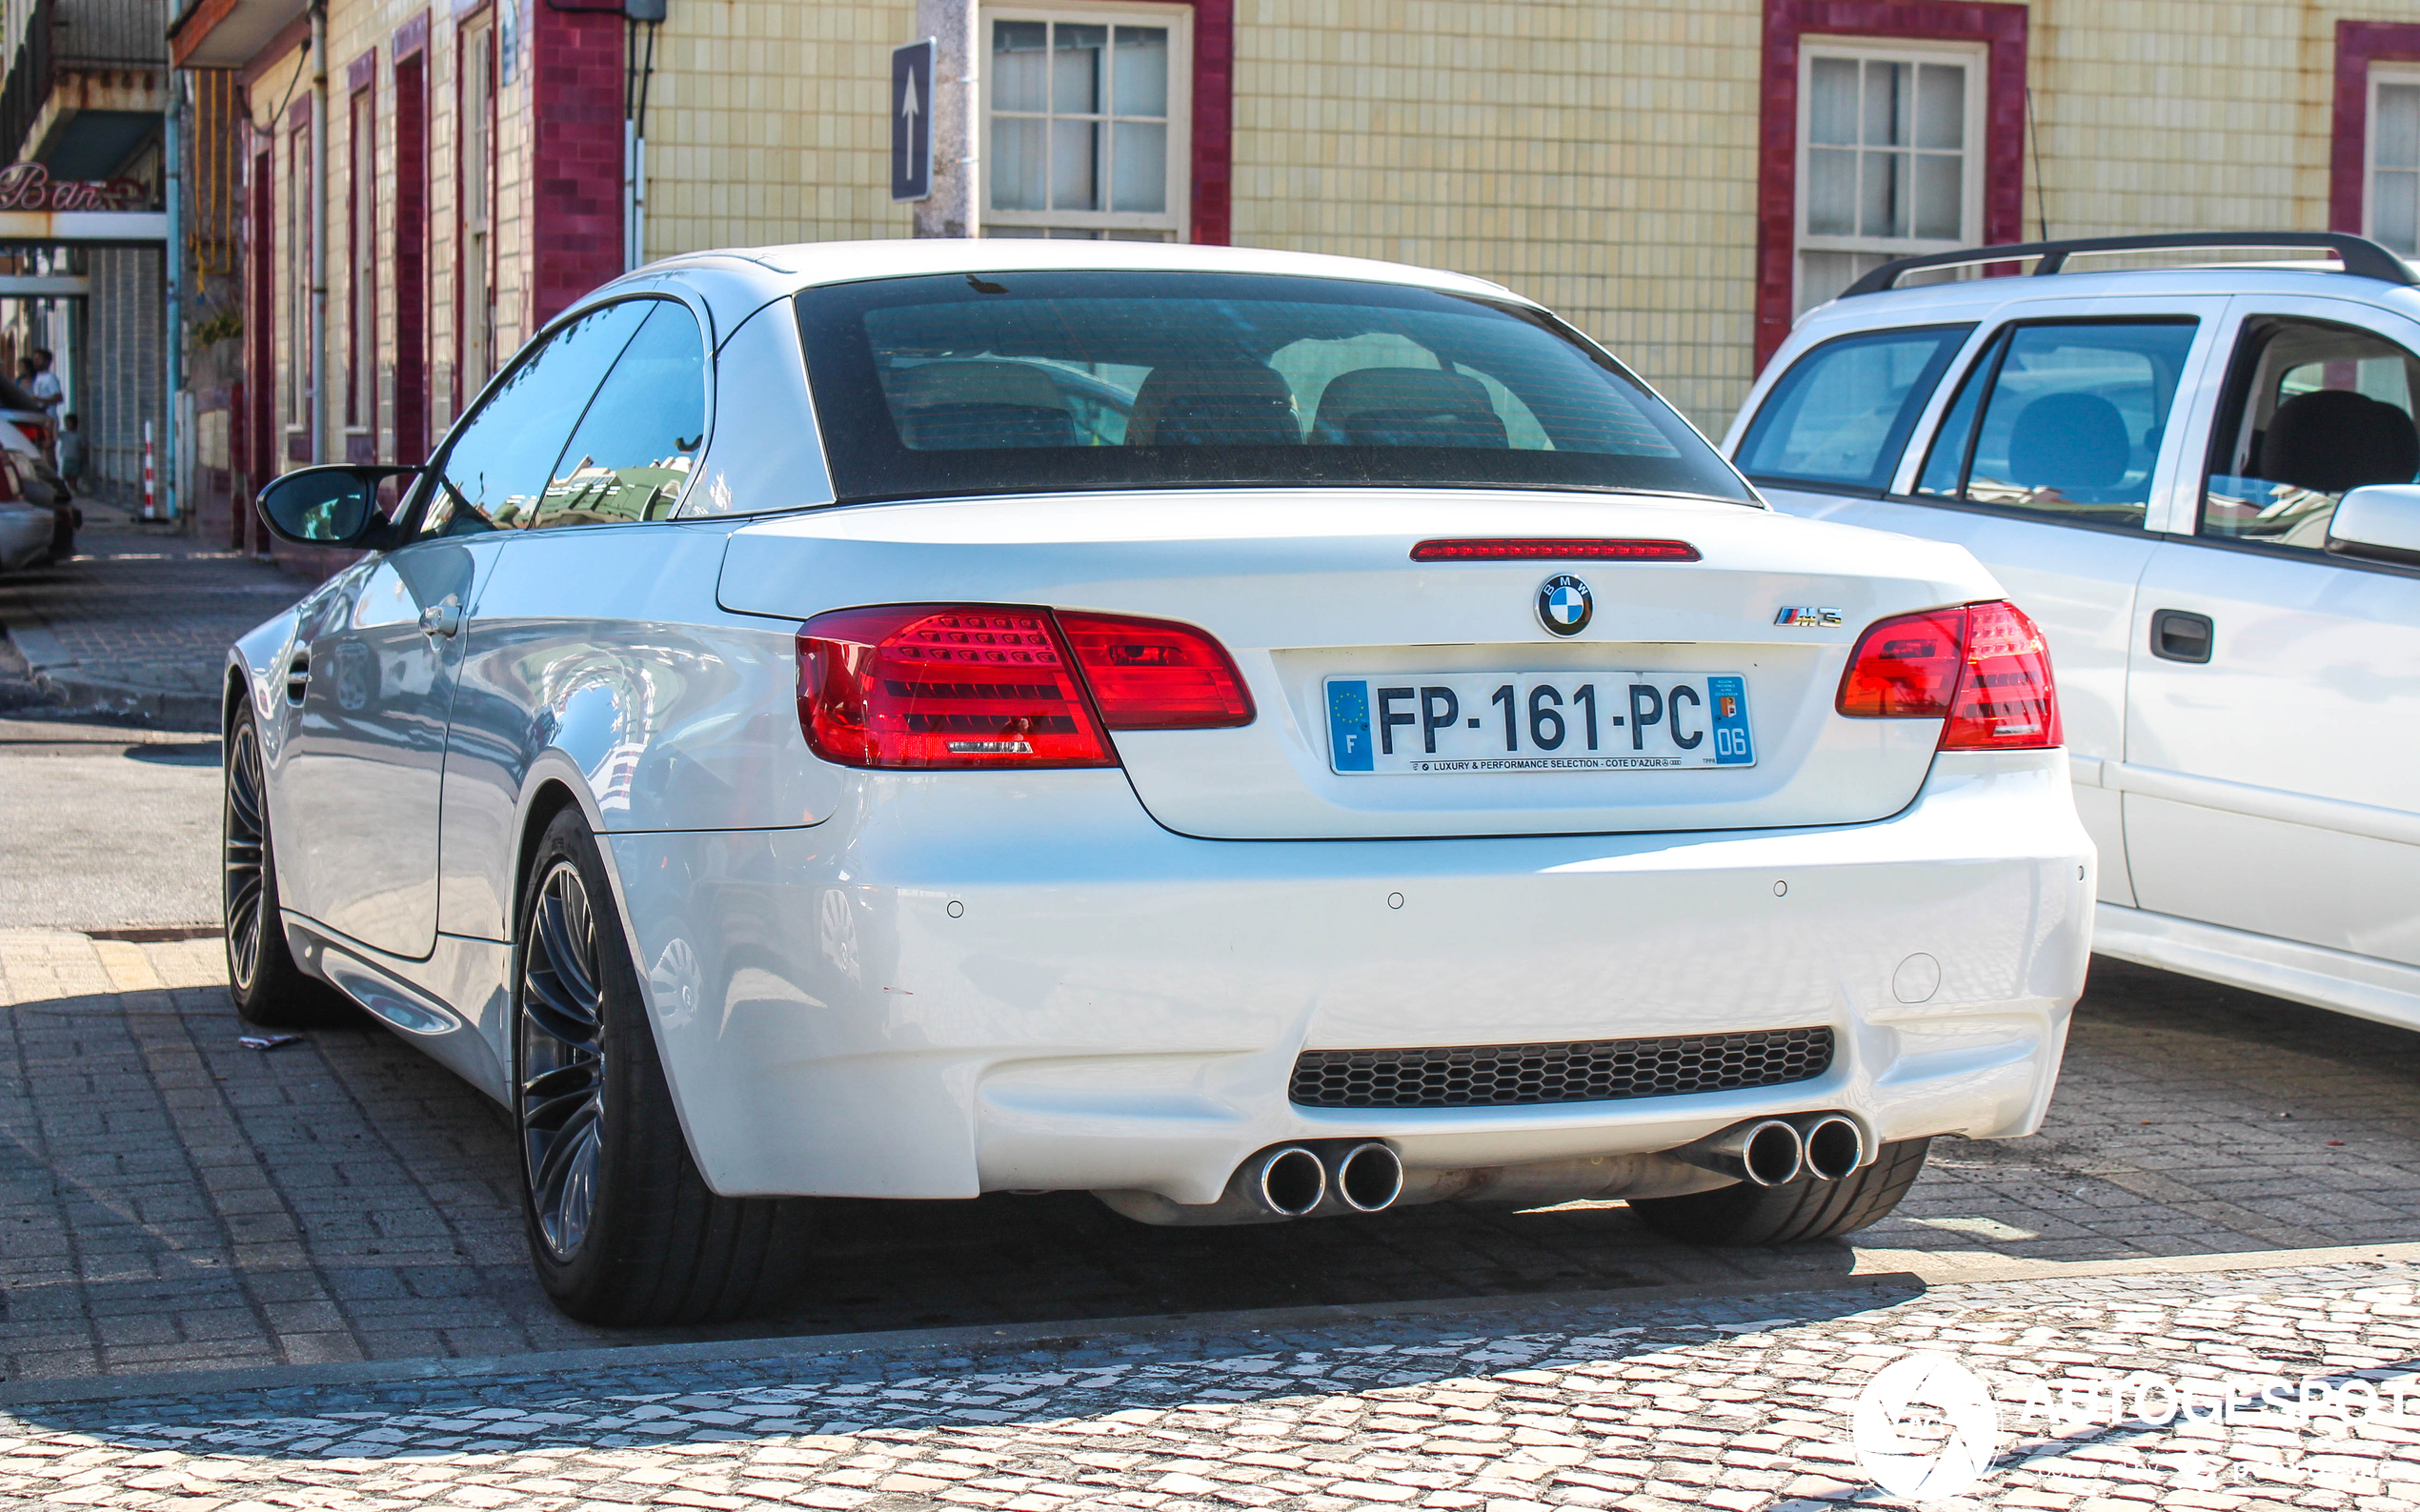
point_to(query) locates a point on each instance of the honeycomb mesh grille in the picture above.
(1589, 1071)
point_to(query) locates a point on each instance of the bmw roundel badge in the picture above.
(1563, 605)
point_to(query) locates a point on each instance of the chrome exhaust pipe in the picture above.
(1369, 1178)
(1762, 1152)
(1835, 1146)
(1289, 1180)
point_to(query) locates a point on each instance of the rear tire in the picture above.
(623, 1228)
(268, 988)
(1795, 1212)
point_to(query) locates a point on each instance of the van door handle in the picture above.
(441, 619)
(2177, 636)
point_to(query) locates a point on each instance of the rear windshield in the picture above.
(1039, 382)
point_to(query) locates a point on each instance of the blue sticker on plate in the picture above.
(1727, 701)
(1348, 725)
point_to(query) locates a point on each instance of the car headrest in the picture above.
(978, 403)
(1228, 404)
(2068, 441)
(2334, 439)
(1407, 407)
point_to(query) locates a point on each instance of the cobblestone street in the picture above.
(328, 1233)
(174, 1201)
(1731, 1404)
(137, 625)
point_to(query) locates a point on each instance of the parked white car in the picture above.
(1247, 734)
(2200, 480)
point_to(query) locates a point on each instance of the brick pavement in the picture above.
(1736, 1404)
(136, 624)
(172, 1200)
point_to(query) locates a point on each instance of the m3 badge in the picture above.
(1806, 616)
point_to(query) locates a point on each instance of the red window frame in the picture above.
(361, 304)
(2358, 45)
(2003, 30)
(411, 223)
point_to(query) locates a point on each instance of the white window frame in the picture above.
(1976, 56)
(2382, 75)
(1177, 220)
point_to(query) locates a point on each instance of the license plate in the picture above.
(1537, 721)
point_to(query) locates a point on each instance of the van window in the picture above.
(2311, 411)
(2072, 416)
(1841, 414)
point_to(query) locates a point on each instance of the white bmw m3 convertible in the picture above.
(1246, 734)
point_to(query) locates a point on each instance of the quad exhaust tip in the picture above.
(1369, 1178)
(1834, 1146)
(1762, 1152)
(1772, 1153)
(1290, 1181)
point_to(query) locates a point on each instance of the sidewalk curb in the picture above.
(59, 675)
(1938, 1271)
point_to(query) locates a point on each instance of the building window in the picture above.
(1087, 123)
(1890, 149)
(2393, 159)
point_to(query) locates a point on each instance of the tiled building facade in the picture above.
(1679, 178)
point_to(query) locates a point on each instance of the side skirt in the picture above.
(2361, 985)
(415, 998)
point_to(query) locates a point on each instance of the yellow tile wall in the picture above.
(1598, 155)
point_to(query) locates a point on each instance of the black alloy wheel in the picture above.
(268, 988)
(562, 1061)
(243, 848)
(622, 1227)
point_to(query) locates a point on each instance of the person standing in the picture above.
(71, 451)
(45, 383)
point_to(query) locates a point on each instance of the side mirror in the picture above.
(328, 506)
(2380, 521)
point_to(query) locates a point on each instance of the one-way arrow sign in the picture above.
(911, 120)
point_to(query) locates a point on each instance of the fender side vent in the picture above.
(1587, 1070)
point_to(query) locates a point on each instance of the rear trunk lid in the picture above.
(1315, 596)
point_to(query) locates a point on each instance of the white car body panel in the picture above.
(2255, 815)
(929, 984)
(1116, 1006)
(1340, 568)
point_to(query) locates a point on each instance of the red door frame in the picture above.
(361, 302)
(261, 321)
(412, 240)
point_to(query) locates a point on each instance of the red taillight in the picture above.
(1553, 550)
(942, 685)
(1980, 669)
(928, 685)
(1151, 675)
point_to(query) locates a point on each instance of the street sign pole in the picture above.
(948, 106)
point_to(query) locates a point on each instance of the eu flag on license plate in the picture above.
(1348, 724)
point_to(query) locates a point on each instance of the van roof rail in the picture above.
(2359, 254)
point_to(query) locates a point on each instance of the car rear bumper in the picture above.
(980, 982)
